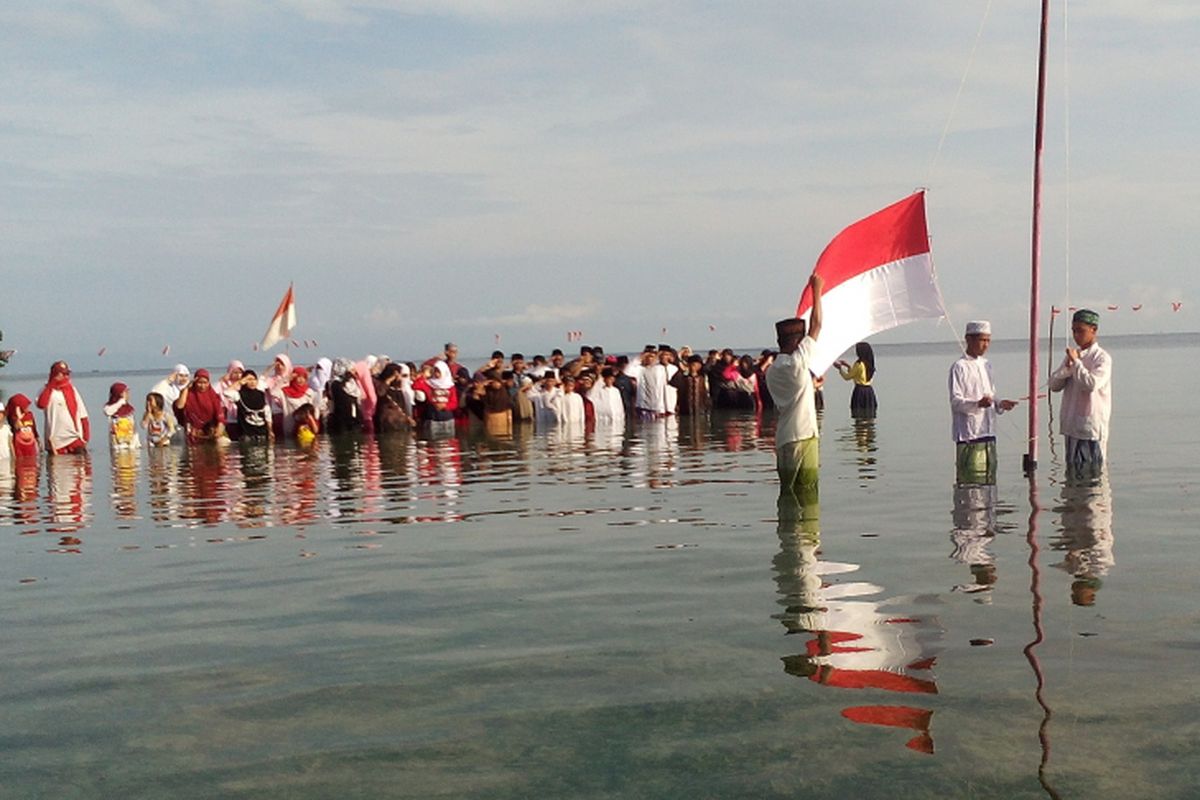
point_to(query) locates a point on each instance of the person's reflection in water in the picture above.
(205, 465)
(70, 492)
(1086, 533)
(257, 457)
(974, 529)
(854, 644)
(124, 482)
(861, 438)
(163, 471)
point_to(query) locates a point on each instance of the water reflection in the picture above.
(859, 439)
(1085, 534)
(854, 642)
(974, 518)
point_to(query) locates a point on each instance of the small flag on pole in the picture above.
(282, 323)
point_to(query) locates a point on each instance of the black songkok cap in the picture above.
(790, 327)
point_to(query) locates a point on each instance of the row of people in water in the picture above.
(377, 395)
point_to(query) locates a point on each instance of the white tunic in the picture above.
(651, 389)
(791, 387)
(971, 381)
(169, 390)
(670, 393)
(61, 429)
(546, 408)
(571, 409)
(606, 400)
(1087, 395)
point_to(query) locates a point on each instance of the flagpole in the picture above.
(1030, 462)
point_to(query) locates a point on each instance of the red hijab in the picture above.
(292, 390)
(17, 407)
(203, 409)
(60, 379)
(115, 395)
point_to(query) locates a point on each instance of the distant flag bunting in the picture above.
(282, 323)
(878, 275)
(1176, 306)
(712, 328)
(166, 351)
(101, 351)
(1138, 307)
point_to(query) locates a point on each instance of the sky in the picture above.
(471, 169)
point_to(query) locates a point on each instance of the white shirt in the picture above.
(571, 412)
(546, 408)
(1087, 395)
(791, 387)
(61, 429)
(5, 440)
(670, 393)
(971, 381)
(610, 410)
(169, 390)
(651, 388)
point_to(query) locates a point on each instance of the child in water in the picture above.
(159, 425)
(24, 427)
(307, 426)
(122, 425)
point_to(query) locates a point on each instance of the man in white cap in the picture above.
(973, 408)
(171, 386)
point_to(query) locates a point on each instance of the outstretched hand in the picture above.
(1007, 405)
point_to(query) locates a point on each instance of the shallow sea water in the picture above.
(613, 616)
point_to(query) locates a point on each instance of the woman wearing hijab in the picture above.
(390, 415)
(441, 400)
(863, 404)
(251, 407)
(321, 374)
(122, 419)
(232, 379)
(200, 411)
(343, 398)
(23, 425)
(291, 397)
(67, 427)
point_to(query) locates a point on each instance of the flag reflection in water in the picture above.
(853, 642)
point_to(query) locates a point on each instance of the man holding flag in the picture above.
(790, 381)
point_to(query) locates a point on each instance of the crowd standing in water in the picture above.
(440, 395)
(376, 395)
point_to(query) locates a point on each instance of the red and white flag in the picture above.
(282, 323)
(878, 275)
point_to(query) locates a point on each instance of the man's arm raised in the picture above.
(817, 283)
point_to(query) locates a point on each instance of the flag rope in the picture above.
(958, 95)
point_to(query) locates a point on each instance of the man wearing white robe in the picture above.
(666, 357)
(1085, 380)
(973, 409)
(606, 399)
(651, 386)
(547, 408)
(570, 404)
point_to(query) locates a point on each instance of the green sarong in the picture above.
(975, 463)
